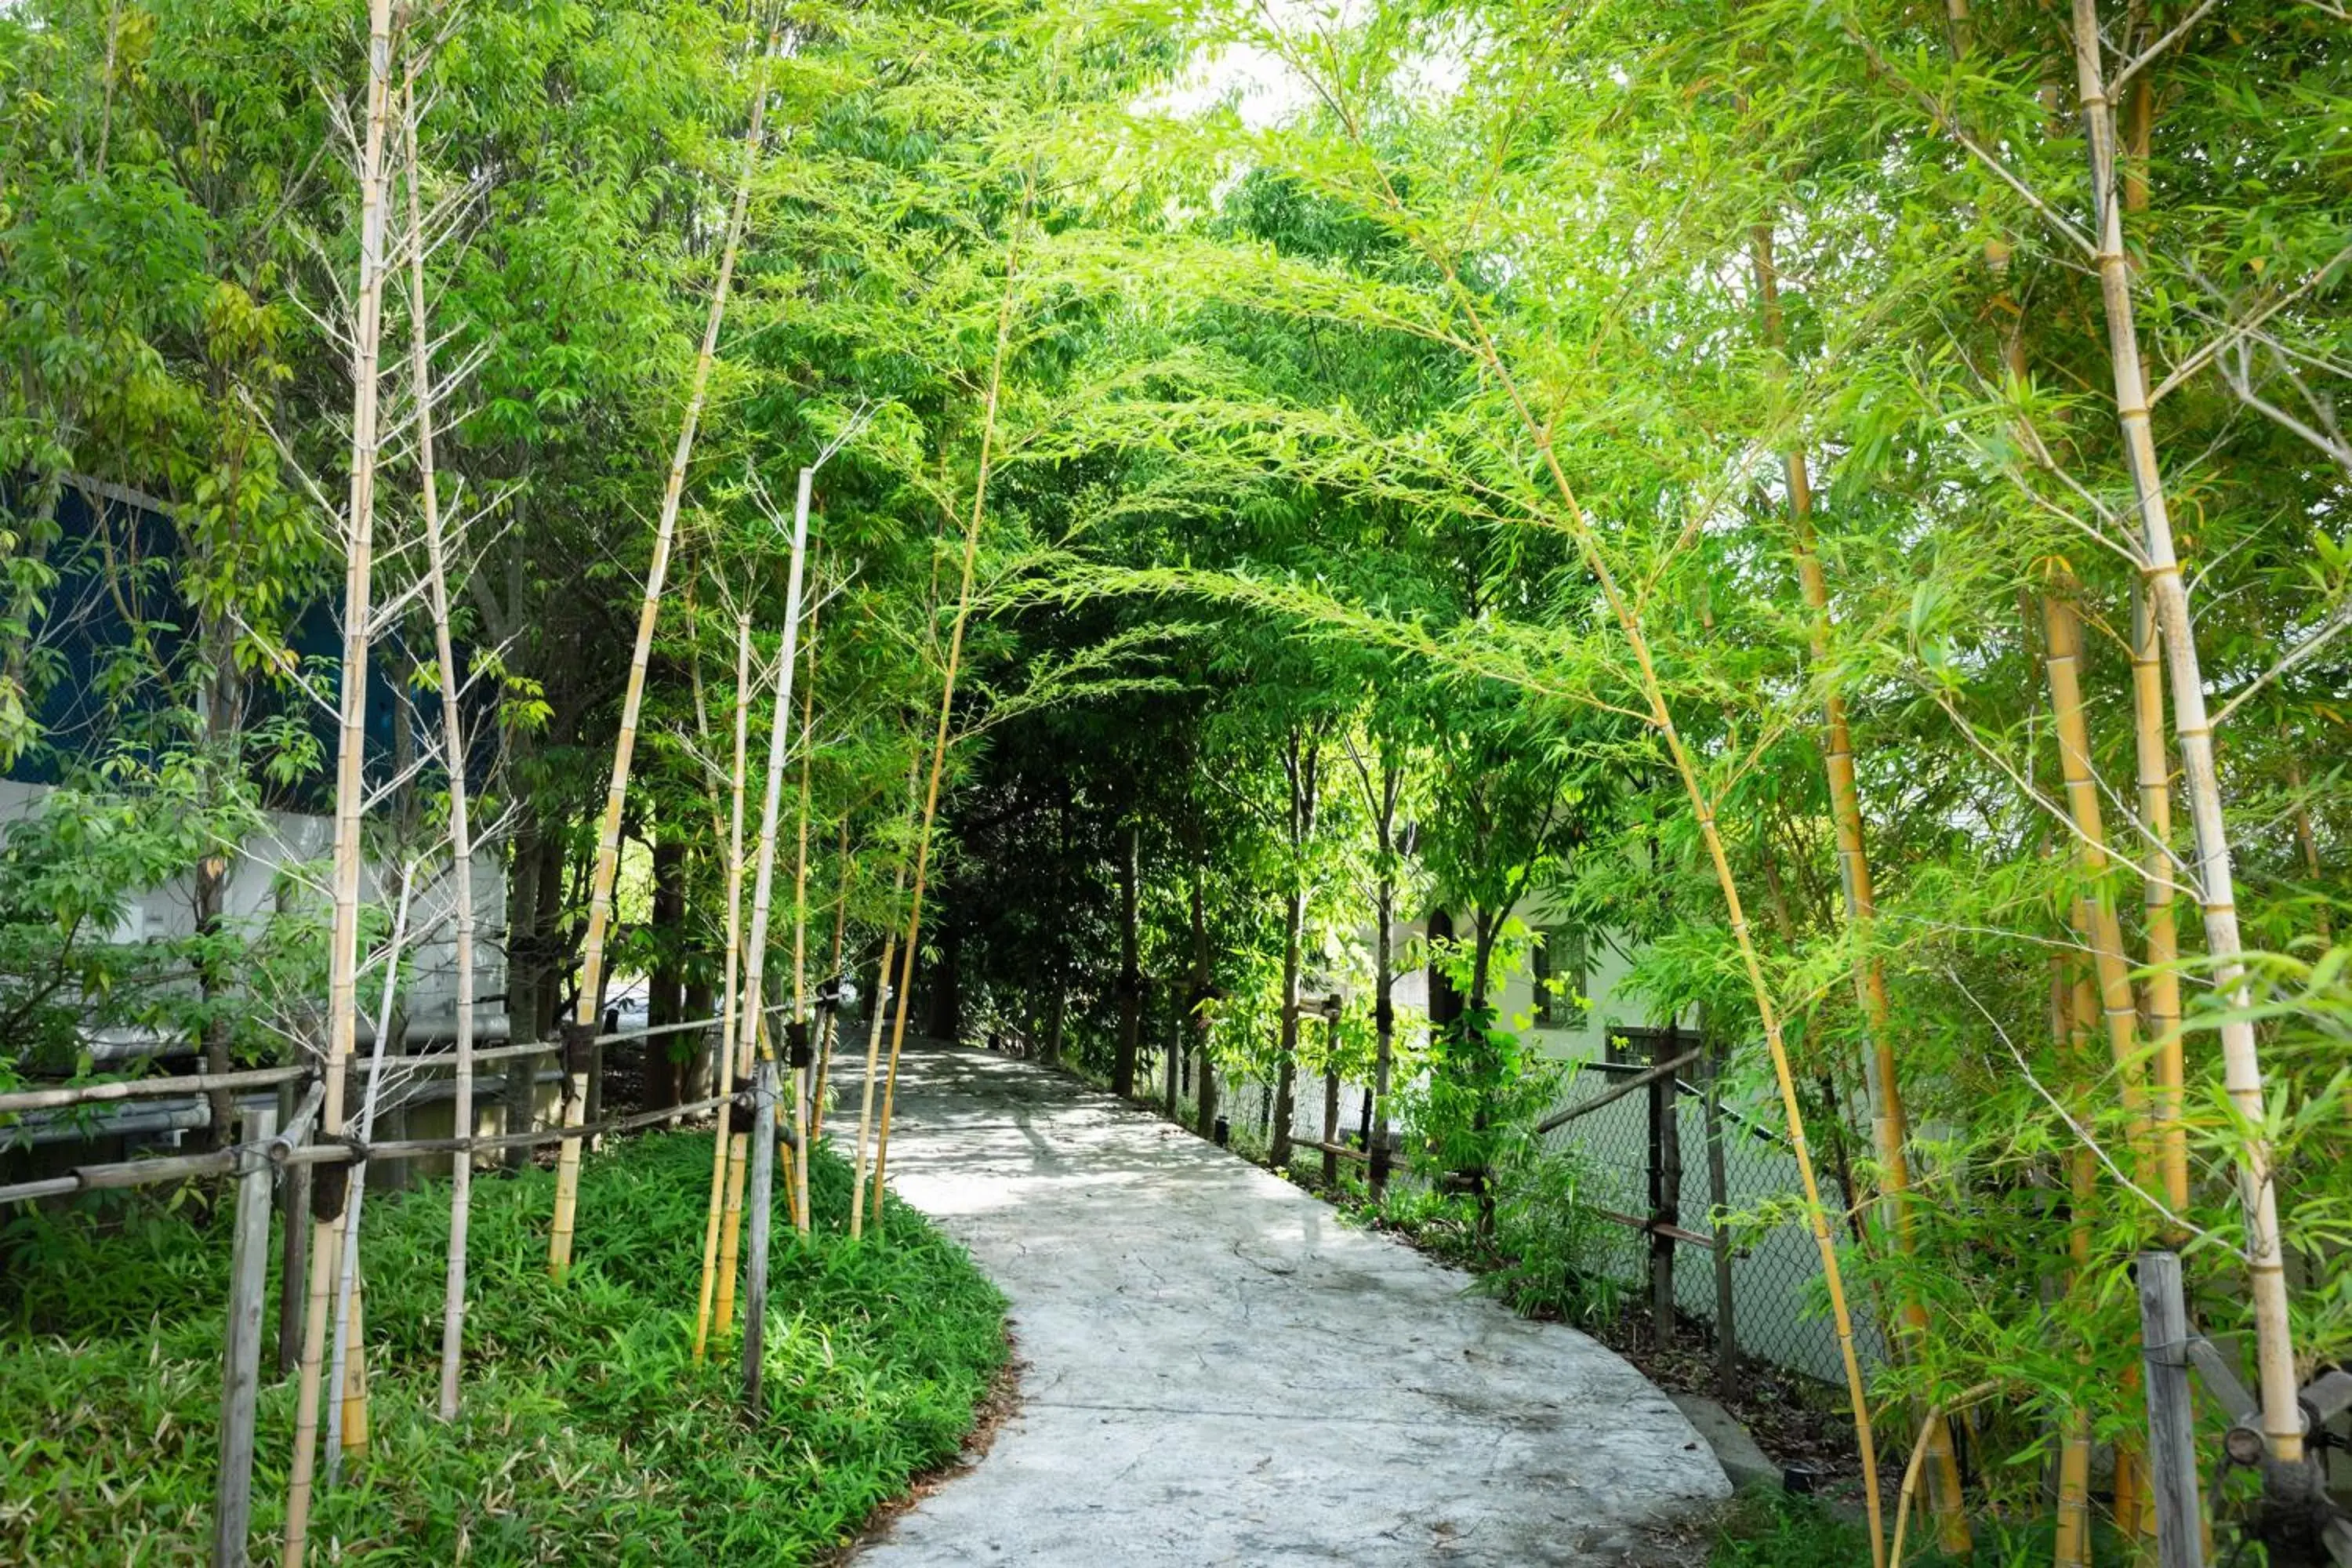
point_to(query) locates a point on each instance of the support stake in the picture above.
(2172, 1419)
(241, 1362)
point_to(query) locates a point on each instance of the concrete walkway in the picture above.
(1217, 1371)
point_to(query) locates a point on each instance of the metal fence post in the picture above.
(241, 1358)
(2171, 1419)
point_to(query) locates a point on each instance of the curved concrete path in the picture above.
(1217, 1371)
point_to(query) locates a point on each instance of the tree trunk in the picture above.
(1130, 970)
(1204, 1104)
(665, 988)
(2103, 932)
(763, 877)
(802, 1077)
(1301, 762)
(876, 1009)
(1384, 973)
(2071, 1008)
(1628, 614)
(2161, 993)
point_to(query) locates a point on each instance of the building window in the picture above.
(1559, 977)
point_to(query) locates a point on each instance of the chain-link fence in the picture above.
(1640, 1139)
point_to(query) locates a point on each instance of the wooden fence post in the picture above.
(2171, 1419)
(1332, 1096)
(241, 1360)
(763, 1180)
(1665, 1194)
(1726, 1331)
(521, 1097)
(294, 1248)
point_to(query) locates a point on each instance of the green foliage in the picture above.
(1770, 1530)
(1775, 1530)
(587, 1432)
(1472, 1116)
(1557, 1249)
(69, 872)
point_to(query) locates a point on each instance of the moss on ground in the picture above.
(587, 1432)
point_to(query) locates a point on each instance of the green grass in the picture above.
(1772, 1530)
(587, 1433)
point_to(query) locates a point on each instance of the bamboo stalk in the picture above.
(453, 743)
(873, 1026)
(343, 982)
(2128, 1488)
(946, 703)
(804, 1078)
(2306, 840)
(1938, 1414)
(833, 974)
(763, 878)
(608, 843)
(730, 1232)
(755, 1289)
(2162, 989)
(2073, 1004)
(1890, 1123)
(1578, 527)
(352, 1376)
(338, 1440)
(722, 1137)
(2102, 931)
(2167, 591)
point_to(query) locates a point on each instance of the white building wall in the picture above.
(1778, 1304)
(287, 864)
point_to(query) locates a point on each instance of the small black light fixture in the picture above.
(1224, 1131)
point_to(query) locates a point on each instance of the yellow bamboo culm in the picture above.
(1890, 1128)
(354, 1390)
(947, 701)
(351, 783)
(2129, 1485)
(2102, 931)
(2161, 994)
(738, 1153)
(2168, 590)
(1579, 528)
(730, 1022)
(2074, 1007)
(874, 1028)
(608, 842)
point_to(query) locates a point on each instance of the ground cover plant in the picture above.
(588, 1433)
